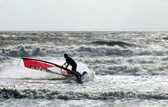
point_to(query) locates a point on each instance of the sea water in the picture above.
(126, 69)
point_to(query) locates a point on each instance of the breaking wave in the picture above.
(49, 94)
(35, 50)
(82, 50)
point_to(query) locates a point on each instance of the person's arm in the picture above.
(66, 64)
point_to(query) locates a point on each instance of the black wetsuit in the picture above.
(71, 62)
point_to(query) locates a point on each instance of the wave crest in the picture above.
(49, 94)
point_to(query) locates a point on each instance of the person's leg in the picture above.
(77, 74)
(74, 68)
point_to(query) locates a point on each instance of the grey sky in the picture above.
(84, 15)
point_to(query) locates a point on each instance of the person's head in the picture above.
(65, 55)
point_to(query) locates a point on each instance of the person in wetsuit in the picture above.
(70, 61)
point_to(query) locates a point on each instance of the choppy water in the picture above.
(125, 68)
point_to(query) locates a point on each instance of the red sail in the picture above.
(44, 65)
(36, 63)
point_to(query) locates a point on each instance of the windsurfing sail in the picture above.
(45, 66)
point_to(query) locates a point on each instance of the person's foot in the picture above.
(79, 81)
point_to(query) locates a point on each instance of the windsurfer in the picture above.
(70, 61)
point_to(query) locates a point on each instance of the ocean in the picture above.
(125, 69)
